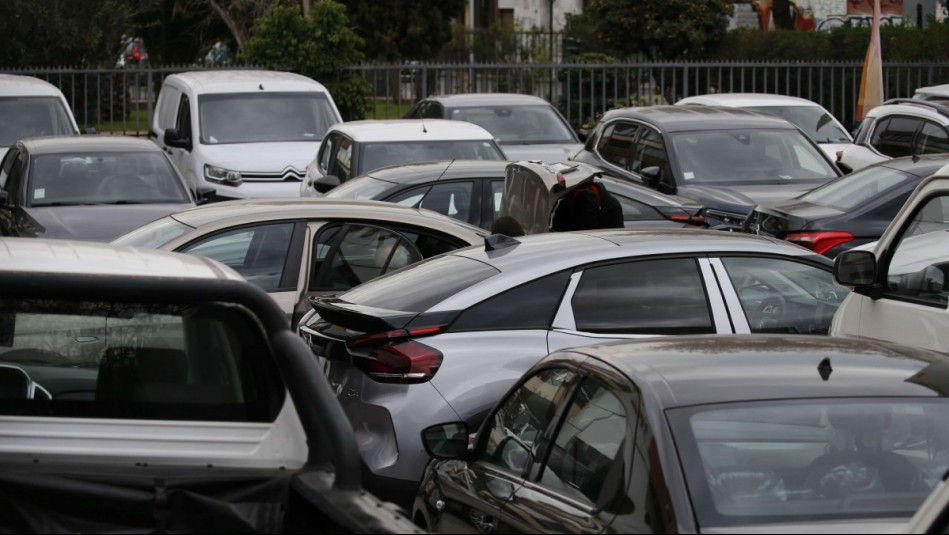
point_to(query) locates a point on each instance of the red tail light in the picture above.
(819, 242)
(691, 220)
(404, 363)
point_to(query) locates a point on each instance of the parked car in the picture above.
(727, 159)
(405, 352)
(526, 126)
(901, 287)
(471, 190)
(899, 127)
(848, 212)
(932, 517)
(147, 391)
(809, 116)
(87, 187)
(30, 107)
(355, 148)
(295, 248)
(245, 133)
(751, 433)
(935, 93)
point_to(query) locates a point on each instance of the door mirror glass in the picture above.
(325, 183)
(174, 139)
(855, 268)
(446, 441)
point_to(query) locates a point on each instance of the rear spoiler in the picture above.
(359, 318)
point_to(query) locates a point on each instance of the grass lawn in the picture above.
(388, 109)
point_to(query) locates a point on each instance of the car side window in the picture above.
(665, 296)
(341, 162)
(326, 153)
(893, 137)
(12, 177)
(183, 118)
(450, 198)
(350, 255)
(616, 144)
(7, 166)
(530, 306)
(259, 253)
(649, 150)
(433, 110)
(933, 139)
(782, 296)
(513, 435)
(919, 267)
(588, 446)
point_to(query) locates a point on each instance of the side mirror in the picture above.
(4, 198)
(175, 139)
(857, 269)
(583, 134)
(844, 168)
(326, 183)
(446, 441)
(204, 194)
(652, 178)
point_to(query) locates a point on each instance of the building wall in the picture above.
(536, 13)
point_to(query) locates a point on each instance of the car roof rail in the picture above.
(940, 108)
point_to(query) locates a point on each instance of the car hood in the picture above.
(547, 153)
(101, 223)
(261, 157)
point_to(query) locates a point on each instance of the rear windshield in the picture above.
(359, 188)
(814, 121)
(518, 125)
(855, 189)
(155, 234)
(24, 117)
(376, 155)
(420, 286)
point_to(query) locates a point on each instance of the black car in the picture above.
(745, 433)
(471, 190)
(848, 212)
(93, 188)
(727, 159)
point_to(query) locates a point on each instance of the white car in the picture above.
(355, 148)
(809, 116)
(934, 93)
(899, 127)
(30, 107)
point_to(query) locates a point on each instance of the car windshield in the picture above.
(518, 125)
(805, 460)
(255, 118)
(155, 234)
(814, 121)
(359, 188)
(849, 192)
(145, 177)
(375, 155)
(25, 117)
(743, 156)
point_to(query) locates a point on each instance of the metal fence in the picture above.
(122, 100)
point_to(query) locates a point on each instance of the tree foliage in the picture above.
(655, 29)
(56, 33)
(320, 47)
(397, 30)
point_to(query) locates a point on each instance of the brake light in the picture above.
(691, 220)
(819, 242)
(393, 335)
(405, 362)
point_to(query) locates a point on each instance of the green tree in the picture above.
(321, 47)
(659, 29)
(57, 33)
(397, 30)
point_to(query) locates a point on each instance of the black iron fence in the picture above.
(122, 100)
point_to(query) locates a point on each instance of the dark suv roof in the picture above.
(688, 118)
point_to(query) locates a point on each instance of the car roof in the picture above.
(933, 90)
(18, 85)
(912, 106)
(915, 164)
(686, 118)
(421, 172)
(702, 369)
(236, 211)
(408, 130)
(54, 144)
(40, 255)
(486, 99)
(747, 99)
(245, 81)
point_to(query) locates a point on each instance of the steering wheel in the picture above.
(770, 312)
(837, 475)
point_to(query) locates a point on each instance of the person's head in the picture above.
(585, 209)
(508, 226)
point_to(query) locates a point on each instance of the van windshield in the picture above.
(264, 117)
(24, 117)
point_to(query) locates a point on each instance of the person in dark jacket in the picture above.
(588, 207)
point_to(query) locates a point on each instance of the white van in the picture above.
(901, 288)
(30, 107)
(244, 133)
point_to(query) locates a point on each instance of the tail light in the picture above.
(395, 357)
(696, 220)
(819, 242)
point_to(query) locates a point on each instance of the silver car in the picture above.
(444, 339)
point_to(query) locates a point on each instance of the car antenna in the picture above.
(439, 177)
(424, 130)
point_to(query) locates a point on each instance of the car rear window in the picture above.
(857, 188)
(359, 188)
(420, 286)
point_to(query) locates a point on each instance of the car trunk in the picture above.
(532, 190)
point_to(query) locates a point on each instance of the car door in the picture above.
(639, 298)
(473, 491)
(582, 481)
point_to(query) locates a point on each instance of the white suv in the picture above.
(243, 133)
(354, 148)
(898, 127)
(31, 107)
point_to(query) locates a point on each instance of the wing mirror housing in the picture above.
(204, 194)
(652, 178)
(446, 441)
(4, 198)
(173, 138)
(858, 270)
(326, 183)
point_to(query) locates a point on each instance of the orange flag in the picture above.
(871, 82)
